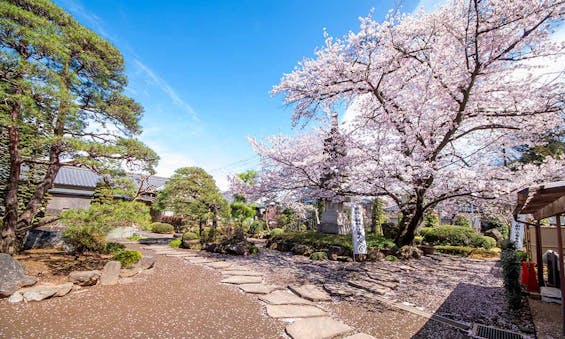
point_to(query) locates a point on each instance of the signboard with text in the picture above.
(358, 230)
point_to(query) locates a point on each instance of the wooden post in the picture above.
(561, 273)
(539, 254)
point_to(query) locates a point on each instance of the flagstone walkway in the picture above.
(302, 310)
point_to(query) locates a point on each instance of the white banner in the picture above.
(517, 233)
(358, 230)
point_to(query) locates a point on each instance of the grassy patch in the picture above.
(175, 243)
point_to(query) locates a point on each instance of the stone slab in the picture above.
(294, 311)
(550, 292)
(198, 260)
(317, 328)
(241, 279)
(236, 268)
(259, 288)
(360, 336)
(369, 286)
(219, 264)
(310, 292)
(243, 273)
(181, 255)
(284, 298)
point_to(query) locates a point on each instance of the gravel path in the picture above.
(175, 300)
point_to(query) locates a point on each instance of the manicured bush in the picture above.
(391, 258)
(190, 236)
(113, 247)
(467, 251)
(418, 240)
(319, 256)
(162, 228)
(484, 242)
(127, 257)
(276, 231)
(455, 236)
(175, 243)
(85, 238)
(461, 220)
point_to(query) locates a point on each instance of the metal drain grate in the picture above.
(481, 331)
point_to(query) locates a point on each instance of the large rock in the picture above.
(294, 311)
(146, 262)
(38, 293)
(111, 273)
(12, 276)
(494, 233)
(300, 249)
(84, 278)
(39, 238)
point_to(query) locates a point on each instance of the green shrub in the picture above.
(113, 247)
(391, 258)
(319, 256)
(175, 243)
(190, 236)
(136, 237)
(454, 236)
(431, 220)
(127, 257)
(511, 273)
(484, 242)
(522, 255)
(379, 242)
(256, 227)
(85, 238)
(390, 230)
(276, 231)
(467, 251)
(253, 249)
(107, 217)
(162, 228)
(461, 220)
(418, 240)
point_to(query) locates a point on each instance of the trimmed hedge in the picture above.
(162, 228)
(276, 231)
(190, 236)
(456, 236)
(467, 251)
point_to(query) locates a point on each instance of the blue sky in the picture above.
(203, 69)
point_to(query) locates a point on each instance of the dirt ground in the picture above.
(547, 317)
(176, 300)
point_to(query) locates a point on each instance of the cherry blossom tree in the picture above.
(435, 103)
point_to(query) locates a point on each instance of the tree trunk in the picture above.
(412, 221)
(8, 242)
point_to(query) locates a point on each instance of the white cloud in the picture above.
(166, 88)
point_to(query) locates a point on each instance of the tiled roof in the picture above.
(82, 177)
(74, 176)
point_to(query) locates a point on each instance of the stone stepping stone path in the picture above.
(219, 264)
(310, 292)
(284, 298)
(243, 273)
(317, 328)
(295, 304)
(242, 279)
(258, 288)
(295, 311)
